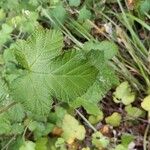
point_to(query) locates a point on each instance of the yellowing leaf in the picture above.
(28, 145)
(41, 144)
(60, 144)
(87, 148)
(146, 103)
(95, 119)
(2, 14)
(72, 130)
(133, 111)
(131, 4)
(114, 119)
(123, 94)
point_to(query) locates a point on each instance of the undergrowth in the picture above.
(74, 75)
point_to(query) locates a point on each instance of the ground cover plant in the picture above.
(74, 75)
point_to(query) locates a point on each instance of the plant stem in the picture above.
(9, 142)
(7, 107)
(89, 124)
(145, 136)
(25, 130)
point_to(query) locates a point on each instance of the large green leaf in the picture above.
(39, 48)
(65, 77)
(106, 77)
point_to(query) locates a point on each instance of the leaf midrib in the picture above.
(42, 51)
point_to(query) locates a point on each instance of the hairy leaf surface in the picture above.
(46, 74)
(106, 78)
(3, 90)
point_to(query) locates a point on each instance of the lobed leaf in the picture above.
(48, 73)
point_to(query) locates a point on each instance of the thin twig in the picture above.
(25, 130)
(9, 142)
(7, 107)
(145, 136)
(89, 124)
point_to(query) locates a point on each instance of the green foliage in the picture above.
(133, 112)
(36, 71)
(146, 103)
(60, 144)
(32, 62)
(6, 4)
(120, 147)
(75, 3)
(2, 14)
(3, 90)
(5, 125)
(126, 139)
(45, 68)
(144, 6)
(108, 48)
(123, 94)
(114, 119)
(105, 79)
(17, 128)
(43, 79)
(28, 145)
(95, 119)
(46, 72)
(58, 15)
(99, 141)
(5, 34)
(41, 144)
(40, 129)
(71, 129)
(57, 116)
(16, 113)
(16, 144)
(84, 14)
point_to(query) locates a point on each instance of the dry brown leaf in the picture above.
(57, 131)
(131, 4)
(73, 146)
(105, 130)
